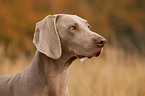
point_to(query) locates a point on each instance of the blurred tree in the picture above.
(124, 19)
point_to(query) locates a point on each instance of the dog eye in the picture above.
(73, 27)
(89, 26)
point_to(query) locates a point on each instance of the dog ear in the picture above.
(46, 38)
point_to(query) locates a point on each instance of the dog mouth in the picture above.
(94, 55)
(98, 53)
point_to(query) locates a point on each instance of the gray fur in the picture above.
(58, 45)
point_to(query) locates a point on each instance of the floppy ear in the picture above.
(46, 38)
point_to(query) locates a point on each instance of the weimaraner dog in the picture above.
(59, 39)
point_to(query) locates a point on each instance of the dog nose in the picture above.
(101, 41)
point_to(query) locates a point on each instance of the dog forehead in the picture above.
(72, 18)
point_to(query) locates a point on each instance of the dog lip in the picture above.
(89, 57)
(98, 53)
(80, 56)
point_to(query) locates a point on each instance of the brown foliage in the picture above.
(122, 19)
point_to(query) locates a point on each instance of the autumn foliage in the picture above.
(121, 22)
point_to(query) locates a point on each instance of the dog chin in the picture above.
(80, 56)
(90, 56)
(94, 55)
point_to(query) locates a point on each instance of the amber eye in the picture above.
(73, 28)
(89, 26)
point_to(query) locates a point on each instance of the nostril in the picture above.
(101, 41)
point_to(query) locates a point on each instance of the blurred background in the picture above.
(119, 71)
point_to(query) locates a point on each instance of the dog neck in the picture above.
(53, 73)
